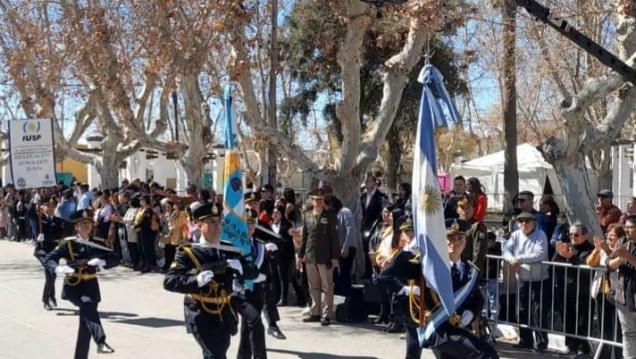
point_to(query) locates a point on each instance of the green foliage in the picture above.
(310, 53)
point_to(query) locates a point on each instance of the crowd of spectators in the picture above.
(145, 223)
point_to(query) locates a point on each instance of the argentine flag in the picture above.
(428, 213)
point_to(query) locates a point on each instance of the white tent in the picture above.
(534, 174)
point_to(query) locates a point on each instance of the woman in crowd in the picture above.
(103, 211)
(286, 263)
(131, 233)
(475, 189)
(550, 211)
(175, 220)
(380, 246)
(601, 285)
(292, 211)
(147, 225)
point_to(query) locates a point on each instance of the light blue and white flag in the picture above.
(428, 213)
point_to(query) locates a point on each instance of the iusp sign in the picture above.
(31, 153)
(31, 131)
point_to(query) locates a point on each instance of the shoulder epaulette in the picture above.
(259, 240)
(99, 239)
(71, 238)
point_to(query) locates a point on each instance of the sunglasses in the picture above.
(521, 200)
(573, 234)
(525, 220)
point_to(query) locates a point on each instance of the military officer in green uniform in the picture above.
(320, 251)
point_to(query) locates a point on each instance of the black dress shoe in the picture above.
(312, 319)
(104, 349)
(325, 321)
(275, 332)
(47, 306)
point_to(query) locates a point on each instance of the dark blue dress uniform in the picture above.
(273, 286)
(81, 287)
(211, 312)
(52, 228)
(252, 343)
(450, 340)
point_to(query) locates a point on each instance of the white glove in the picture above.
(96, 262)
(204, 277)
(272, 247)
(236, 265)
(261, 278)
(64, 269)
(407, 290)
(40, 237)
(467, 317)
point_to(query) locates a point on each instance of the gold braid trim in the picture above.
(213, 296)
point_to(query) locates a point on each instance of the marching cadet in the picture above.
(211, 275)
(446, 336)
(85, 255)
(263, 232)
(51, 231)
(252, 330)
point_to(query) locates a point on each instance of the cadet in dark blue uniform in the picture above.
(252, 329)
(84, 255)
(446, 336)
(264, 233)
(51, 231)
(211, 274)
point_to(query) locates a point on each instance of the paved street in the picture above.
(143, 321)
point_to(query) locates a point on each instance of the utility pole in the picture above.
(271, 108)
(176, 116)
(509, 105)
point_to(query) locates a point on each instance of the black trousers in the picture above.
(49, 287)
(147, 248)
(342, 274)
(449, 342)
(577, 318)
(286, 269)
(89, 326)
(169, 252)
(49, 279)
(133, 249)
(611, 327)
(252, 340)
(531, 295)
(271, 303)
(214, 341)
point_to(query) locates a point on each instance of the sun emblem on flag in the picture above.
(430, 200)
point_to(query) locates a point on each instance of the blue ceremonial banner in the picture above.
(234, 224)
(428, 213)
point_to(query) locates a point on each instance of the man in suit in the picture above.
(371, 202)
(319, 250)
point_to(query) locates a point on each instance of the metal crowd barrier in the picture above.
(553, 297)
